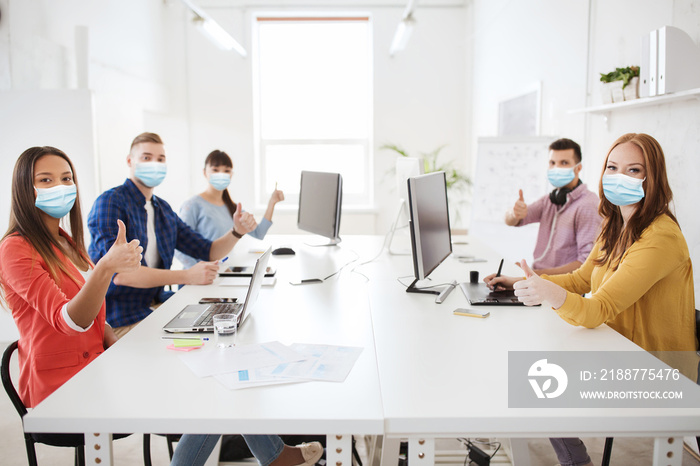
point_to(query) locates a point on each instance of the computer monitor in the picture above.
(431, 240)
(320, 203)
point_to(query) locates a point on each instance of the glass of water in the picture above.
(225, 326)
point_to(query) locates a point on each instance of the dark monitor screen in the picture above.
(430, 222)
(320, 202)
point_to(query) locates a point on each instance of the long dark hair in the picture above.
(26, 220)
(616, 237)
(218, 158)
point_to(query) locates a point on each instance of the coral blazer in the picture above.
(50, 352)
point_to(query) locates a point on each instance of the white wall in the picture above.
(419, 101)
(674, 125)
(552, 45)
(518, 47)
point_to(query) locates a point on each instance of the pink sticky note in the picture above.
(182, 348)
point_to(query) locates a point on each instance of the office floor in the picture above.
(128, 451)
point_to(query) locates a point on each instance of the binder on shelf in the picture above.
(644, 75)
(678, 62)
(653, 56)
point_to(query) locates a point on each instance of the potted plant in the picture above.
(456, 181)
(620, 85)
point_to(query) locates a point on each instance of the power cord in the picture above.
(476, 455)
(381, 250)
(357, 256)
(398, 279)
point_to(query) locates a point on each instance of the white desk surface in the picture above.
(444, 375)
(140, 386)
(422, 371)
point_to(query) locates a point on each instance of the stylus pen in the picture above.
(224, 259)
(169, 337)
(500, 267)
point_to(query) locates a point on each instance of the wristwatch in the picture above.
(235, 233)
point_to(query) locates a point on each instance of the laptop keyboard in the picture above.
(207, 318)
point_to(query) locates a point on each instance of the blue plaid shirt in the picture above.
(127, 305)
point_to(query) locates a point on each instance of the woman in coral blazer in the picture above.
(56, 295)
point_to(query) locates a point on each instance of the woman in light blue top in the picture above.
(210, 213)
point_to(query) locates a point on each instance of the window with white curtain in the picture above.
(313, 103)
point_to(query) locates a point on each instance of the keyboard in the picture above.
(207, 318)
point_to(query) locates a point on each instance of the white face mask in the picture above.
(621, 189)
(56, 201)
(220, 181)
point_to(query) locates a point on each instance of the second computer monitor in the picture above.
(320, 204)
(431, 240)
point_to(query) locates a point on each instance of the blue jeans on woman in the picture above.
(570, 451)
(194, 449)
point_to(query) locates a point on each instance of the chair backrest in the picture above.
(7, 381)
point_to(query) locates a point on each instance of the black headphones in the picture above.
(558, 196)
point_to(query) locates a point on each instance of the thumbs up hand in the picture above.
(535, 290)
(520, 208)
(123, 256)
(243, 222)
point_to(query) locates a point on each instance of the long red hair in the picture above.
(616, 237)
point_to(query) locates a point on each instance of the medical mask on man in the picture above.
(220, 181)
(622, 189)
(560, 177)
(56, 201)
(151, 173)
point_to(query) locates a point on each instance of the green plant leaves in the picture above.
(620, 74)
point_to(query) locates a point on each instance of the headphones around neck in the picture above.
(558, 196)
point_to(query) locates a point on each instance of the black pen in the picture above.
(498, 274)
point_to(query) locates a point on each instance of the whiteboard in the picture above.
(503, 166)
(62, 119)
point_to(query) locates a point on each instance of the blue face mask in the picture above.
(622, 189)
(151, 173)
(220, 181)
(560, 177)
(56, 201)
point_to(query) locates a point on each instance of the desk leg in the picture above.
(98, 449)
(668, 451)
(339, 450)
(520, 451)
(421, 451)
(390, 449)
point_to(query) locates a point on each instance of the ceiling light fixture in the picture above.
(213, 31)
(404, 29)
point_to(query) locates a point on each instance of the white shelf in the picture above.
(642, 102)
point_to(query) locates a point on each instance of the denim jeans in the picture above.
(194, 449)
(570, 451)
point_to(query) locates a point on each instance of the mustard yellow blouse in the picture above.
(648, 299)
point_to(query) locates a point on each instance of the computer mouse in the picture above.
(283, 251)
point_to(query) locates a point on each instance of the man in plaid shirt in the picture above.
(153, 222)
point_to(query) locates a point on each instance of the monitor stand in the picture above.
(442, 295)
(331, 242)
(394, 228)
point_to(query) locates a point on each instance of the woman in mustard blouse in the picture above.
(639, 272)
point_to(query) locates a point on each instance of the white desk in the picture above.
(446, 376)
(139, 386)
(423, 374)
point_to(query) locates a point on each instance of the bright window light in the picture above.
(314, 103)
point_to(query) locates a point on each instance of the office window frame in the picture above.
(264, 186)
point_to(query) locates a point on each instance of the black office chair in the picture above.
(57, 440)
(607, 451)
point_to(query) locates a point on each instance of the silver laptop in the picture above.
(480, 294)
(199, 317)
